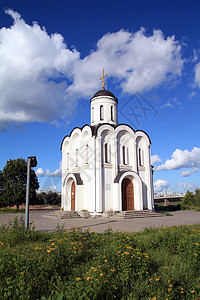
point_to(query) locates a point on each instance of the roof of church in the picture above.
(95, 128)
(104, 93)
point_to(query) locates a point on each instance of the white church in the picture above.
(106, 165)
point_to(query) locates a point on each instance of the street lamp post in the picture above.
(31, 162)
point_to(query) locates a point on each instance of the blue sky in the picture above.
(52, 55)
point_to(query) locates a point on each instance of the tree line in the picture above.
(13, 179)
(191, 199)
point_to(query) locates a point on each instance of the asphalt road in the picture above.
(43, 221)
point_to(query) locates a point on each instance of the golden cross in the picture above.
(103, 80)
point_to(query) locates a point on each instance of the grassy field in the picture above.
(75, 264)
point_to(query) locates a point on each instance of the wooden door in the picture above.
(127, 195)
(73, 196)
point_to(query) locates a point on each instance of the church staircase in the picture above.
(61, 214)
(70, 215)
(132, 214)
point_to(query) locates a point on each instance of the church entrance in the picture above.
(73, 196)
(127, 194)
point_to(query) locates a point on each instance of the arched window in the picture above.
(86, 154)
(92, 114)
(124, 155)
(141, 157)
(101, 113)
(111, 113)
(76, 157)
(106, 153)
(67, 161)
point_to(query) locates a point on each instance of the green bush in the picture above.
(190, 201)
(167, 208)
(154, 264)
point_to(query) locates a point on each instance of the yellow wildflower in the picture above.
(88, 278)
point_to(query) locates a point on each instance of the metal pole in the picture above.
(27, 193)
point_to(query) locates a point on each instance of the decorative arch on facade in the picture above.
(142, 145)
(124, 139)
(107, 141)
(137, 188)
(67, 185)
(106, 133)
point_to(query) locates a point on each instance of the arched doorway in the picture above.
(73, 195)
(127, 194)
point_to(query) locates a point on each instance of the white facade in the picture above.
(106, 166)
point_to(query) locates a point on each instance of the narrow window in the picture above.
(67, 161)
(92, 114)
(76, 157)
(124, 154)
(106, 153)
(101, 113)
(86, 155)
(140, 152)
(111, 112)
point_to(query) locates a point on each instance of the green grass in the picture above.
(8, 210)
(185, 207)
(154, 264)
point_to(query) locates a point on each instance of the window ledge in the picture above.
(86, 166)
(125, 167)
(107, 165)
(76, 169)
(142, 168)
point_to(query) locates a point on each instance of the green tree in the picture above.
(189, 199)
(2, 187)
(52, 198)
(197, 197)
(15, 177)
(48, 198)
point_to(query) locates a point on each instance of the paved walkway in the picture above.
(44, 222)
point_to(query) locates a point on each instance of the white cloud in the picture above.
(41, 173)
(39, 74)
(186, 173)
(138, 61)
(197, 74)
(187, 186)
(182, 159)
(31, 60)
(168, 104)
(52, 188)
(160, 184)
(155, 159)
(175, 103)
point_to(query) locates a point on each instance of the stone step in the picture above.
(70, 215)
(131, 214)
(56, 213)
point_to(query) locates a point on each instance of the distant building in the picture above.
(106, 165)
